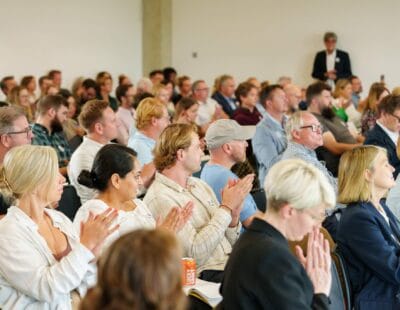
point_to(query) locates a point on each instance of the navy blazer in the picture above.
(223, 102)
(262, 273)
(371, 249)
(342, 65)
(377, 136)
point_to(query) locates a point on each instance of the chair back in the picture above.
(69, 202)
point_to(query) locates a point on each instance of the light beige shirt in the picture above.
(206, 237)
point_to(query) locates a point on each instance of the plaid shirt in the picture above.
(56, 140)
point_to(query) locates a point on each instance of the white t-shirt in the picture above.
(206, 111)
(127, 118)
(128, 221)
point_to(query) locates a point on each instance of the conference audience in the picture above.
(304, 134)
(357, 89)
(214, 227)
(185, 89)
(151, 119)
(141, 270)
(293, 94)
(186, 111)
(105, 87)
(100, 123)
(89, 91)
(14, 131)
(7, 83)
(369, 106)
(368, 233)
(44, 84)
(247, 113)
(126, 113)
(262, 272)
(269, 141)
(71, 127)
(336, 136)
(52, 113)
(29, 82)
(386, 131)
(44, 263)
(156, 76)
(343, 105)
(226, 142)
(20, 97)
(223, 93)
(116, 177)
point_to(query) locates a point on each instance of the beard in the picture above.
(56, 125)
(328, 113)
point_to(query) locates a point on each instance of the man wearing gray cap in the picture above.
(226, 141)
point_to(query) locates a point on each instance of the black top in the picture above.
(342, 65)
(262, 273)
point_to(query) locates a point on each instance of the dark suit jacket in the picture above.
(371, 249)
(223, 103)
(376, 136)
(342, 65)
(262, 273)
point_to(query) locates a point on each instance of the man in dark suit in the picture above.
(386, 131)
(224, 94)
(331, 64)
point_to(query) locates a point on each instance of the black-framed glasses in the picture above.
(314, 127)
(26, 131)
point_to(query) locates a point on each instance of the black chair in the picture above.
(69, 202)
(75, 142)
(259, 199)
(196, 303)
(343, 278)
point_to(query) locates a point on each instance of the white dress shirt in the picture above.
(128, 221)
(206, 111)
(30, 276)
(330, 65)
(82, 159)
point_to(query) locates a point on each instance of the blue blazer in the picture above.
(371, 249)
(376, 136)
(342, 65)
(223, 103)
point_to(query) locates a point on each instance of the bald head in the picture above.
(293, 93)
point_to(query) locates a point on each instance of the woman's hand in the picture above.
(97, 228)
(318, 262)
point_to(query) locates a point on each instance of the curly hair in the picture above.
(141, 270)
(172, 139)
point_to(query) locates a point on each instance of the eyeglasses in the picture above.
(314, 128)
(27, 131)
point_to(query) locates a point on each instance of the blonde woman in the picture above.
(368, 234)
(44, 264)
(343, 105)
(261, 272)
(19, 96)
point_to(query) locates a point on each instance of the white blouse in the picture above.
(128, 221)
(30, 276)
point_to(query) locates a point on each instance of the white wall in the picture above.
(268, 38)
(77, 37)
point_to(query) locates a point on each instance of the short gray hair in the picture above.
(330, 35)
(294, 123)
(8, 115)
(299, 184)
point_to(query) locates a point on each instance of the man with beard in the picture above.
(52, 113)
(336, 136)
(226, 141)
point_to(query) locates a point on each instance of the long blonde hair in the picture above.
(352, 185)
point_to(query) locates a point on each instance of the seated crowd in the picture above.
(244, 181)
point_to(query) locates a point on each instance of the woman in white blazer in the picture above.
(44, 263)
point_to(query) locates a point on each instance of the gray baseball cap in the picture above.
(226, 130)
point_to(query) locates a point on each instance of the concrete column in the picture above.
(157, 34)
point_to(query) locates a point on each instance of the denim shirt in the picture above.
(268, 143)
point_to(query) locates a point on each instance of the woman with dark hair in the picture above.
(116, 176)
(29, 83)
(141, 270)
(186, 111)
(247, 113)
